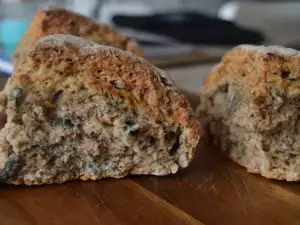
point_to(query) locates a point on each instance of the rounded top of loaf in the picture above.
(277, 50)
(259, 72)
(86, 47)
(60, 40)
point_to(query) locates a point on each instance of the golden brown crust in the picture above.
(146, 87)
(272, 65)
(61, 21)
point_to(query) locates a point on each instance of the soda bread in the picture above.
(62, 21)
(250, 105)
(79, 110)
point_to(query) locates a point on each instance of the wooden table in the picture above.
(213, 190)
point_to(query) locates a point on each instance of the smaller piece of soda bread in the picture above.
(250, 105)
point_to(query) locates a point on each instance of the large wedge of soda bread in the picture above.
(79, 110)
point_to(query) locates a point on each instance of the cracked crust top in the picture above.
(144, 86)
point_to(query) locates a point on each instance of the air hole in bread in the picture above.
(224, 88)
(3, 119)
(285, 74)
(175, 145)
(152, 140)
(165, 81)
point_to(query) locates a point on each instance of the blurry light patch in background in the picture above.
(6, 66)
(11, 31)
(15, 17)
(229, 11)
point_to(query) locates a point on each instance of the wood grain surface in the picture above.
(211, 191)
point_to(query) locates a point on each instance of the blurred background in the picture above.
(183, 36)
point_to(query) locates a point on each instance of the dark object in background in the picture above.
(6, 67)
(192, 28)
(294, 46)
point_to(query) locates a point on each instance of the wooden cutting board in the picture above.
(212, 191)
